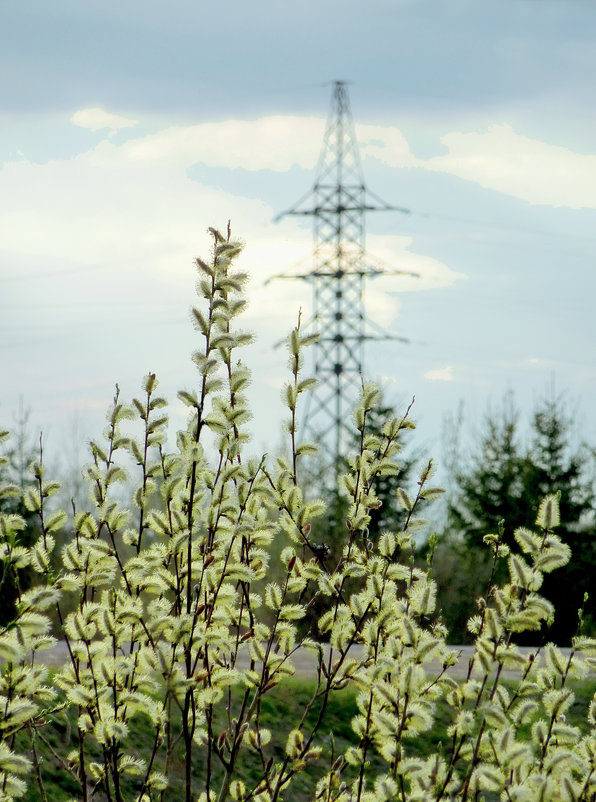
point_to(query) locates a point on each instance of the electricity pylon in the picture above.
(338, 203)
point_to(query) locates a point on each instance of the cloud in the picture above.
(387, 144)
(269, 143)
(499, 159)
(534, 171)
(108, 239)
(440, 374)
(406, 270)
(97, 119)
(133, 203)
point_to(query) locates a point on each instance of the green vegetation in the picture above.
(284, 703)
(182, 632)
(504, 481)
(14, 476)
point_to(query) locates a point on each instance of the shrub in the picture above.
(180, 632)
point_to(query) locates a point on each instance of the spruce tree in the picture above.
(501, 484)
(552, 465)
(490, 489)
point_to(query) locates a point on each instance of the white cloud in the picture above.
(416, 271)
(133, 203)
(269, 143)
(499, 159)
(508, 162)
(97, 119)
(110, 237)
(440, 374)
(387, 144)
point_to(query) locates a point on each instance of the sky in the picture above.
(127, 129)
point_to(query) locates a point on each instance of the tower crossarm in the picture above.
(368, 272)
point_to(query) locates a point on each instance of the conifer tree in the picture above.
(553, 466)
(502, 483)
(490, 488)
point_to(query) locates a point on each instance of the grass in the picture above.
(283, 706)
(285, 703)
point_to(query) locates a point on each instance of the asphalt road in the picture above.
(305, 662)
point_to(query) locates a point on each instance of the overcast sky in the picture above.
(127, 128)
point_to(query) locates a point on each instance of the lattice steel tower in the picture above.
(338, 203)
